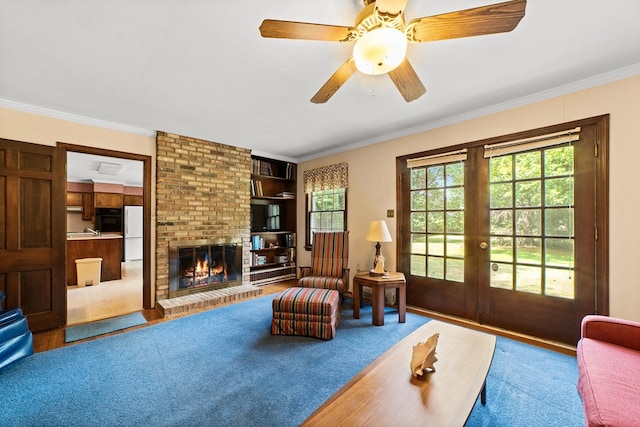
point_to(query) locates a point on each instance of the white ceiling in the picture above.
(200, 68)
(82, 167)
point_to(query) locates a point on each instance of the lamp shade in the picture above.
(378, 232)
(380, 50)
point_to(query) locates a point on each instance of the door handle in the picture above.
(484, 246)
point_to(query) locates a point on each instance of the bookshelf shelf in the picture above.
(273, 221)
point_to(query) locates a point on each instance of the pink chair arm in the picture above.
(621, 332)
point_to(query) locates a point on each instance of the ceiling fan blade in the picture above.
(391, 7)
(490, 19)
(304, 30)
(407, 81)
(335, 82)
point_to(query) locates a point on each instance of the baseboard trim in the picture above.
(528, 339)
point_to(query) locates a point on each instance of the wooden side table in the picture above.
(395, 280)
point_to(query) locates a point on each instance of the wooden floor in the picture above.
(48, 340)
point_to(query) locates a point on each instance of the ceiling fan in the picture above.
(381, 35)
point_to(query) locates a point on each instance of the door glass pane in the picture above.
(500, 196)
(455, 246)
(558, 161)
(559, 283)
(455, 198)
(455, 270)
(435, 200)
(501, 249)
(501, 222)
(528, 279)
(529, 250)
(528, 194)
(559, 222)
(501, 275)
(418, 222)
(418, 244)
(559, 252)
(435, 177)
(436, 244)
(558, 192)
(418, 200)
(418, 178)
(437, 221)
(500, 169)
(435, 267)
(418, 265)
(528, 165)
(528, 222)
(540, 220)
(455, 222)
(455, 174)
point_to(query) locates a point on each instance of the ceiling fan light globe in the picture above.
(380, 50)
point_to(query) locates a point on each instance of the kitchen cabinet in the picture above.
(130, 200)
(107, 200)
(87, 206)
(107, 247)
(74, 199)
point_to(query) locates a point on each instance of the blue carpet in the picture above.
(529, 386)
(100, 327)
(223, 367)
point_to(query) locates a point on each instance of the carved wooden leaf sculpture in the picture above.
(424, 356)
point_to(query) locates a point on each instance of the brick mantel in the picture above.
(202, 193)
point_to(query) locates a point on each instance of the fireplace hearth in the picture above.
(204, 265)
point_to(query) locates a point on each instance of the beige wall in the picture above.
(28, 127)
(372, 177)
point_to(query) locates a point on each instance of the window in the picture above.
(326, 200)
(326, 211)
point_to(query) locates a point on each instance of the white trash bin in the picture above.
(88, 271)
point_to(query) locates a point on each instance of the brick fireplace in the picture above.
(202, 194)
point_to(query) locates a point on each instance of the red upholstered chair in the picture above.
(329, 262)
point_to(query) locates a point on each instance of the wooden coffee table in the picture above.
(385, 393)
(378, 285)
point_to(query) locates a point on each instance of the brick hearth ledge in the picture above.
(202, 300)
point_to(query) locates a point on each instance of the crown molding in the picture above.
(74, 118)
(590, 82)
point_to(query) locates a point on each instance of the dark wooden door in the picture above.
(32, 231)
(510, 232)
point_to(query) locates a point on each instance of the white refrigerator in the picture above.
(132, 233)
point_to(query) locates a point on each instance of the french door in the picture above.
(505, 231)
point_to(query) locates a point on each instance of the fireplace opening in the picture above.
(204, 265)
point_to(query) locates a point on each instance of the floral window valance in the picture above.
(326, 178)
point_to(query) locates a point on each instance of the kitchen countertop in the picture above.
(91, 236)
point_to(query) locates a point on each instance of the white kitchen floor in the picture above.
(108, 299)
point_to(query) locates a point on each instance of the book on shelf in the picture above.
(262, 168)
(256, 188)
(291, 171)
(286, 195)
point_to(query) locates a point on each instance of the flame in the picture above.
(202, 268)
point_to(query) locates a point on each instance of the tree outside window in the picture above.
(326, 211)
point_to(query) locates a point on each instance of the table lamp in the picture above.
(378, 232)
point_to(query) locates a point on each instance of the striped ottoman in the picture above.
(311, 312)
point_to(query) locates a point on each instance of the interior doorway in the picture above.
(130, 291)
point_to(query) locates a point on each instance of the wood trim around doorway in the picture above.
(147, 296)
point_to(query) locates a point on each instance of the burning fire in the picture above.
(202, 270)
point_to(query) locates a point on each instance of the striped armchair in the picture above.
(329, 262)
